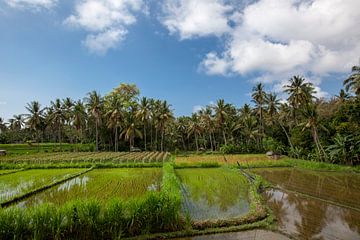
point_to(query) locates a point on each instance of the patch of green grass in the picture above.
(31, 148)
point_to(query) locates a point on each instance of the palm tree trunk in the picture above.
(60, 137)
(97, 135)
(196, 142)
(287, 135)
(223, 132)
(145, 135)
(162, 139)
(211, 143)
(156, 139)
(116, 139)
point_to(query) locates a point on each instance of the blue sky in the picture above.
(187, 52)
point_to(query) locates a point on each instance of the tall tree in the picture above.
(221, 114)
(94, 104)
(312, 122)
(352, 83)
(57, 117)
(259, 98)
(300, 93)
(34, 118)
(164, 116)
(79, 115)
(114, 115)
(143, 115)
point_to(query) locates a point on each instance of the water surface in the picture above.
(314, 205)
(213, 193)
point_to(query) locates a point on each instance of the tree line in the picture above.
(303, 126)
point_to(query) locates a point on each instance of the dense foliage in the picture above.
(303, 126)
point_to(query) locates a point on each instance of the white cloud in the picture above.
(100, 43)
(32, 4)
(276, 39)
(106, 20)
(196, 18)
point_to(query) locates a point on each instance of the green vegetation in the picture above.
(88, 157)
(17, 184)
(32, 148)
(304, 127)
(102, 185)
(153, 211)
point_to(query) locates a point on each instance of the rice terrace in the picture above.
(180, 119)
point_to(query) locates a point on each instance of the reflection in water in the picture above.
(213, 194)
(310, 218)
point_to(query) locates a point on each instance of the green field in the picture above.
(87, 157)
(30, 148)
(213, 193)
(12, 185)
(102, 185)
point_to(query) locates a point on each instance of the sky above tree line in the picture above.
(189, 52)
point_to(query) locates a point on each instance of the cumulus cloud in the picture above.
(275, 38)
(105, 20)
(101, 42)
(196, 18)
(32, 4)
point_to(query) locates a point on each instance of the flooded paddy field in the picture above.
(343, 188)
(314, 205)
(101, 184)
(210, 194)
(12, 185)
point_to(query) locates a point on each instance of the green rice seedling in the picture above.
(102, 184)
(25, 181)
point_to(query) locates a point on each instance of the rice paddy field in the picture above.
(15, 184)
(221, 159)
(102, 185)
(42, 199)
(212, 194)
(88, 157)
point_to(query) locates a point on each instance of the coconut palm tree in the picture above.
(144, 114)
(272, 104)
(34, 118)
(352, 83)
(312, 122)
(342, 97)
(131, 128)
(3, 126)
(300, 93)
(94, 104)
(79, 117)
(220, 109)
(259, 98)
(114, 115)
(164, 116)
(194, 128)
(208, 123)
(17, 122)
(57, 117)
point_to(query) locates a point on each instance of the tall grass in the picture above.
(89, 219)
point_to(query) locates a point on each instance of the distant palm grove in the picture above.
(301, 127)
